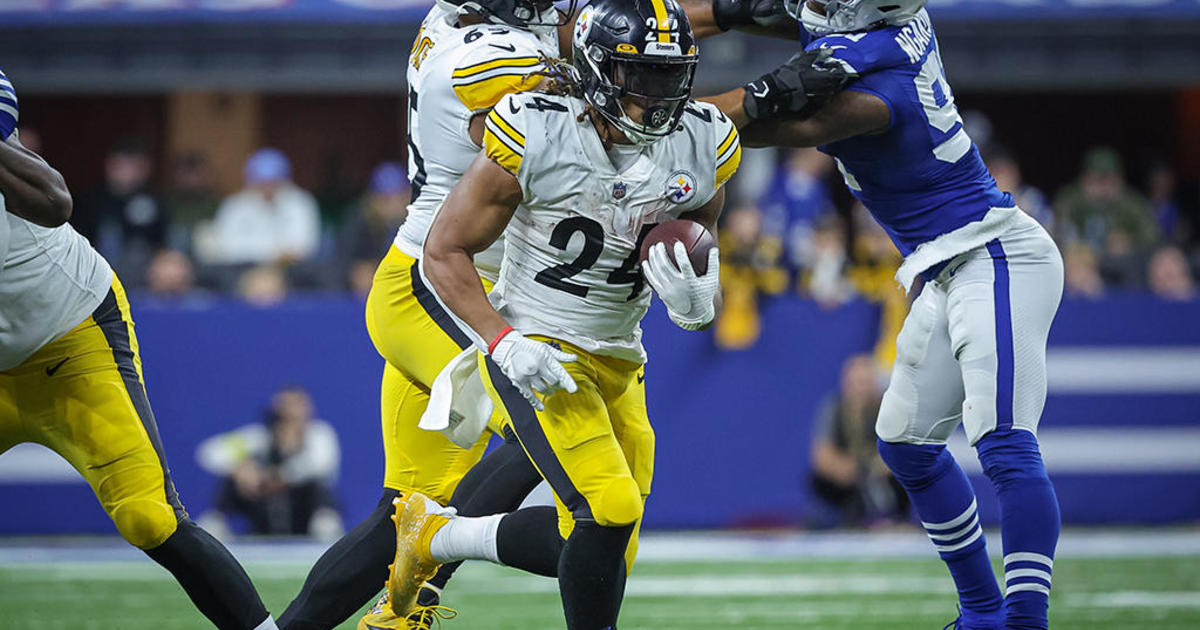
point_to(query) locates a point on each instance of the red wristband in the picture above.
(492, 346)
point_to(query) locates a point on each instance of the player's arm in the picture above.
(849, 114)
(32, 189)
(802, 85)
(760, 17)
(473, 216)
(709, 215)
(694, 300)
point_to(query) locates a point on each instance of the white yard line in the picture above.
(668, 547)
(1134, 599)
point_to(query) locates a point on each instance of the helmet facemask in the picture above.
(642, 95)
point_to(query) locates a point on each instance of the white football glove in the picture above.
(689, 298)
(533, 366)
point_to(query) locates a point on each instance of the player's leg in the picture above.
(416, 343)
(1006, 308)
(573, 445)
(922, 406)
(94, 412)
(12, 430)
(625, 389)
(496, 485)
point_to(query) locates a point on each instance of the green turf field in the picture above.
(1114, 593)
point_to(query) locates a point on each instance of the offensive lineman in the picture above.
(577, 183)
(466, 56)
(71, 380)
(973, 348)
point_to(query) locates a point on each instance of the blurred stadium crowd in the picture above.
(792, 228)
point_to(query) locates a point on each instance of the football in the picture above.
(693, 236)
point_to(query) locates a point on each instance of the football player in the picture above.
(466, 56)
(973, 348)
(71, 380)
(575, 183)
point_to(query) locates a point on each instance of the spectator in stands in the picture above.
(872, 273)
(126, 220)
(279, 473)
(192, 199)
(263, 285)
(170, 278)
(848, 473)
(1007, 171)
(270, 221)
(798, 197)
(751, 264)
(1103, 211)
(370, 228)
(1160, 184)
(1169, 275)
(825, 279)
(1081, 273)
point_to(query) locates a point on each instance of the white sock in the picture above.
(467, 538)
(268, 624)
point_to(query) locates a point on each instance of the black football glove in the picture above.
(805, 82)
(735, 13)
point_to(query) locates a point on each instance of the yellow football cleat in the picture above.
(381, 617)
(417, 519)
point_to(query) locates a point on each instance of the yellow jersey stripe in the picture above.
(499, 152)
(492, 64)
(485, 93)
(506, 128)
(729, 139)
(727, 167)
(660, 16)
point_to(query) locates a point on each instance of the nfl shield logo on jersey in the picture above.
(619, 189)
(681, 187)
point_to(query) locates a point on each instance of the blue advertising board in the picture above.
(1121, 429)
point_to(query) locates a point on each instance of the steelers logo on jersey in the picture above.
(681, 186)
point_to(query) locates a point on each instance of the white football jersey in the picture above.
(454, 73)
(50, 281)
(571, 259)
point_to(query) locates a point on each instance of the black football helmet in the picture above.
(519, 13)
(639, 53)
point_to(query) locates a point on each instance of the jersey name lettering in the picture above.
(914, 39)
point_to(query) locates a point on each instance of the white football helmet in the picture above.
(848, 16)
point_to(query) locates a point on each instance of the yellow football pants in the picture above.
(594, 447)
(83, 396)
(417, 338)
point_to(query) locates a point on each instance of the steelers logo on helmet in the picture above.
(583, 25)
(681, 186)
(633, 66)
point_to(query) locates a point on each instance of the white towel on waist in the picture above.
(459, 405)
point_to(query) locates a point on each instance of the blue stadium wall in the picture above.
(1121, 429)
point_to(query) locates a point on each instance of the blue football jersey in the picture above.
(923, 176)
